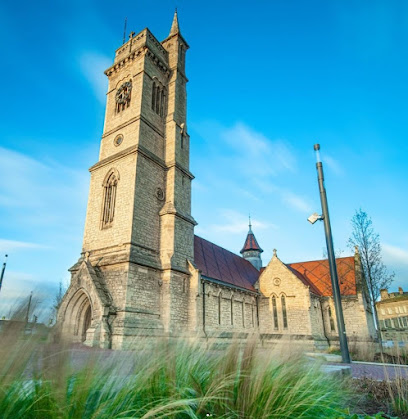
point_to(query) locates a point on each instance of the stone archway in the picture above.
(78, 317)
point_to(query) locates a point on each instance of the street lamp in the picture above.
(332, 261)
(2, 271)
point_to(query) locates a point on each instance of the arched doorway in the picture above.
(87, 322)
(78, 317)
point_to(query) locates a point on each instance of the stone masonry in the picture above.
(142, 272)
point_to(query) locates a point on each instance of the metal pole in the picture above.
(2, 271)
(332, 261)
(28, 307)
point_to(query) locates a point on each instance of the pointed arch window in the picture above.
(154, 96)
(219, 308)
(158, 99)
(232, 310)
(275, 313)
(109, 198)
(332, 328)
(284, 314)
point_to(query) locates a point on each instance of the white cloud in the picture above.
(237, 223)
(334, 165)
(395, 255)
(93, 65)
(295, 201)
(42, 190)
(13, 245)
(256, 155)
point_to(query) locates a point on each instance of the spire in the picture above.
(250, 241)
(175, 25)
(251, 250)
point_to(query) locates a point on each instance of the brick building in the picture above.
(143, 272)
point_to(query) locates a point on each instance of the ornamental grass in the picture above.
(161, 379)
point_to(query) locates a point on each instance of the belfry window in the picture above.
(109, 199)
(158, 99)
(275, 313)
(284, 315)
(123, 96)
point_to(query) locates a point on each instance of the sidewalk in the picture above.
(378, 372)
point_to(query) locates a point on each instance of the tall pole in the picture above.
(2, 271)
(28, 307)
(332, 261)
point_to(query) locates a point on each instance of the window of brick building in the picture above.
(275, 313)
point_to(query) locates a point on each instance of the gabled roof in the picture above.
(217, 263)
(310, 284)
(317, 275)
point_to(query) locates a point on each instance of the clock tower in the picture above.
(139, 232)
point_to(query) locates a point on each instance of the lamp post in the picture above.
(2, 271)
(332, 261)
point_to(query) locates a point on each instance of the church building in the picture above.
(143, 272)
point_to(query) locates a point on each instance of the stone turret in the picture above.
(251, 250)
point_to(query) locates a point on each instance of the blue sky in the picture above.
(268, 79)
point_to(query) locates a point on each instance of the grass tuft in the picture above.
(165, 379)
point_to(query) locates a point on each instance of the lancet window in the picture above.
(219, 308)
(232, 310)
(109, 198)
(275, 313)
(158, 99)
(284, 314)
(332, 328)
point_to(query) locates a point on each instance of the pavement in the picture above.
(378, 371)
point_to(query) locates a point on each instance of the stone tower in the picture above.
(251, 250)
(139, 233)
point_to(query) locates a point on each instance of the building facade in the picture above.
(392, 311)
(143, 272)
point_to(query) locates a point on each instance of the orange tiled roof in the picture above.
(317, 274)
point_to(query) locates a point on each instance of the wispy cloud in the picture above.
(93, 65)
(296, 201)
(395, 255)
(38, 188)
(13, 245)
(256, 155)
(334, 165)
(234, 222)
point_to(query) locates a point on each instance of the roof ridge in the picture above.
(320, 260)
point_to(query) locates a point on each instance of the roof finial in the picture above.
(250, 225)
(275, 252)
(175, 25)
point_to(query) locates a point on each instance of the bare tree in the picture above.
(375, 272)
(57, 302)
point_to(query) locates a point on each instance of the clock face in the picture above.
(123, 93)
